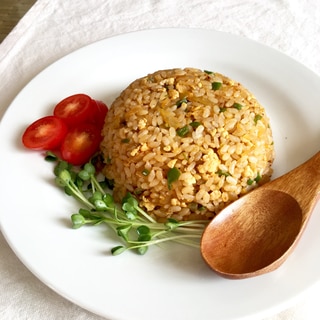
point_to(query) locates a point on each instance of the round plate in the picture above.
(169, 281)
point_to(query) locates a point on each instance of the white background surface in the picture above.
(52, 29)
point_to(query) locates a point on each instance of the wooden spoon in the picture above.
(256, 233)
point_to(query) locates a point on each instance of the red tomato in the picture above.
(80, 144)
(75, 109)
(100, 113)
(46, 133)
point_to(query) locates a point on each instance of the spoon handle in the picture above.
(302, 183)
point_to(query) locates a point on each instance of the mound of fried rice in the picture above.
(186, 143)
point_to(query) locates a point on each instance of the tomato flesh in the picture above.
(45, 133)
(75, 109)
(75, 127)
(80, 144)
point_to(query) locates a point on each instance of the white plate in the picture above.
(172, 282)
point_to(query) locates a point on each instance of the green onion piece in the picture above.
(208, 72)
(195, 124)
(223, 109)
(145, 172)
(181, 101)
(125, 140)
(238, 106)
(138, 191)
(193, 206)
(258, 177)
(173, 175)
(181, 132)
(223, 173)
(257, 118)
(250, 182)
(216, 85)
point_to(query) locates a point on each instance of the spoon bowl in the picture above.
(256, 233)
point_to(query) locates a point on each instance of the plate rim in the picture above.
(52, 65)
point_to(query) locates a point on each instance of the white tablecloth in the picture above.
(52, 29)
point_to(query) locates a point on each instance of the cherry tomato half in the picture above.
(45, 133)
(81, 143)
(100, 113)
(75, 109)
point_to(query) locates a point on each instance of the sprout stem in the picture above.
(137, 229)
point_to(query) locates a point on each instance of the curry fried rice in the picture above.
(187, 143)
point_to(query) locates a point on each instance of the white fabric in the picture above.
(52, 29)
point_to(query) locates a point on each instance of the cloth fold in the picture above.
(52, 29)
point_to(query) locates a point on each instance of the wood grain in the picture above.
(11, 11)
(255, 234)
